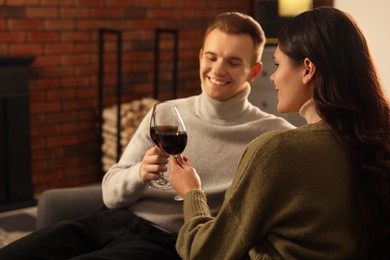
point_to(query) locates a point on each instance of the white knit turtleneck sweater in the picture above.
(217, 134)
(308, 111)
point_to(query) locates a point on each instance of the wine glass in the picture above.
(168, 132)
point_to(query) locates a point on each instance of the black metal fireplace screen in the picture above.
(16, 188)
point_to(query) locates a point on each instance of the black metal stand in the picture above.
(118, 34)
(175, 34)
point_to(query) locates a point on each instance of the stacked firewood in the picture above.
(131, 115)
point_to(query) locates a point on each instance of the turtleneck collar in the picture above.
(309, 112)
(215, 110)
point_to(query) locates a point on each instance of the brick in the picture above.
(75, 127)
(37, 96)
(57, 2)
(74, 82)
(41, 12)
(61, 24)
(3, 49)
(45, 107)
(89, 2)
(87, 93)
(86, 70)
(12, 12)
(39, 166)
(90, 24)
(59, 48)
(45, 131)
(74, 12)
(107, 13)
(79, 59)
(149, 3)
(75, 105)
(121, 3)
(43, 84)
(10, 37)
(46, 60)
(173, 3)
(61, 140)
(37, 120)
(36, 145)
(26, 49)
(83, 173)
(75, 37)
(135, 13)
(86, 47)
(87, 137)
(58, 71)
(48, 176)
(3, 24)
(22, 2)
(25, 24)
(59, 95)
(62, 116)
(44, 37)
(63, 163)
(162, 13)
(145, 24)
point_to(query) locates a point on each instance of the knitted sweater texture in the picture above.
(291, 198)
(217, 134)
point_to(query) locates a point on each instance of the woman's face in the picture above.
(289, 82)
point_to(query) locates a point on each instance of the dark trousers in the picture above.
(106, 234)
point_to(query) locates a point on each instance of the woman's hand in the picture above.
(183, 177)
(155, 161)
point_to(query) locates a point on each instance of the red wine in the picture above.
(169, 138)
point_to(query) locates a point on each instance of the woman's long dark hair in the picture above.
(349, 97)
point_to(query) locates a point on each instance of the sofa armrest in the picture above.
(59, 204)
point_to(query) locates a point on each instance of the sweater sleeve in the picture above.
(246, 214)
(121, 184)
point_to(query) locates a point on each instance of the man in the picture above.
(141, 222)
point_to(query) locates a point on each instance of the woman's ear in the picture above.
(310, 70)
(255, 71)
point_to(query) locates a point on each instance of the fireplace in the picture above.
(16, 190)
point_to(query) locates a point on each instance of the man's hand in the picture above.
(155, 161)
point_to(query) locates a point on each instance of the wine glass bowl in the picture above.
(168, 132)
(169, 139)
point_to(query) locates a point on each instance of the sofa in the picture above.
(59, 204)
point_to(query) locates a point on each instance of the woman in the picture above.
(319, 191)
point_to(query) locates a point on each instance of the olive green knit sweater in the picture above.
(291, 198)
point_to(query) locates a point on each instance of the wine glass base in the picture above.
(160, 185)
(178, 198)
(164, 185)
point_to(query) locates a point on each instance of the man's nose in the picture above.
(219, 68)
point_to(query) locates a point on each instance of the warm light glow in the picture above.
(293, 7)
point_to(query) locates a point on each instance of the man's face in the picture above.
(225, 64)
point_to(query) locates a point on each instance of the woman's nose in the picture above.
(272, 78)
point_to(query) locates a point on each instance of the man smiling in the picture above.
(227, 63)
(142, 223)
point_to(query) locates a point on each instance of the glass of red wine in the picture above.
(168, 132)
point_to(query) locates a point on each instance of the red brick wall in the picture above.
(63, 36)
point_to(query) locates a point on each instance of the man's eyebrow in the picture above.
(210, 52)
(228, 58)
(235, 58)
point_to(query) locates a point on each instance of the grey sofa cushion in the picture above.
(59, 204)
